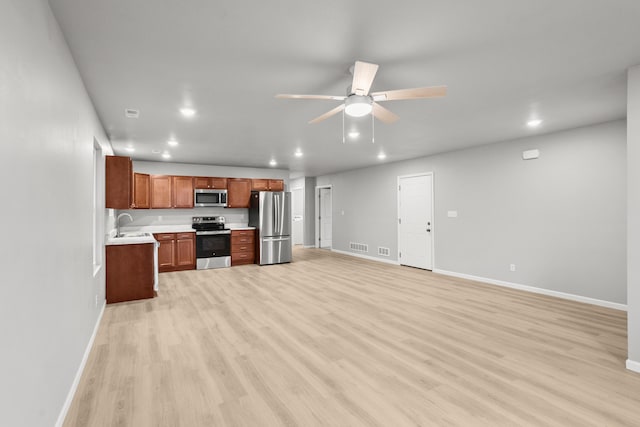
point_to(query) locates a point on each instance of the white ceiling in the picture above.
(504, 61)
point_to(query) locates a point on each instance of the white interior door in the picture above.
(297, 207)
(325, 213)
(415, 222)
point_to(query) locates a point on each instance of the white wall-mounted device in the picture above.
(530, 154)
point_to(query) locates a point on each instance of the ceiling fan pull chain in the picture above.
(373, 130)
(343, 137)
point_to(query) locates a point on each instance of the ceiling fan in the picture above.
(359, 102)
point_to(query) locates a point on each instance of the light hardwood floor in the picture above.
(331, 340)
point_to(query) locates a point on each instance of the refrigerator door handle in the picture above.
(274, 214)
(277, 202)
(275, 239)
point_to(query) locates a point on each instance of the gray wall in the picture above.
(633, 215)
(48, 291)
(159, 168)
(560, 218)
(309, 209)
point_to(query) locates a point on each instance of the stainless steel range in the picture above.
(213, 242)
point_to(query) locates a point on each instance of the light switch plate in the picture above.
(452, 214)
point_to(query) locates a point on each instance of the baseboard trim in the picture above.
(309, 246)
(76, 380)
(533, 289)
(370, 258)
(632, 365)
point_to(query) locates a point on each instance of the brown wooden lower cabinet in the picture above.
(177, 251)
(242, 247)
(129, 272)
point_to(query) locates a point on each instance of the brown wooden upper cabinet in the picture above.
(171, 192)
(238, 192)
(161, 192)
(141, 191)
(267, 185)
(204, 182)
(182, 191)
(118, 185)
(276, 185)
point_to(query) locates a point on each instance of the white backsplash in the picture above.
(159, 217)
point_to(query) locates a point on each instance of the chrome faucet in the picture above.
(118, 222)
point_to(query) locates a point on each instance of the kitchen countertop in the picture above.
(233, 226)
(133, 239)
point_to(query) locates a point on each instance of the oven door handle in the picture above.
(212, 233)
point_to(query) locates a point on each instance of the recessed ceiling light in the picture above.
(273, 162)
(298, 153)
(188, 112)
(354, 134)
(172, 142)
(166, 155)
(130, 149)
(382, 156)
(534, 123)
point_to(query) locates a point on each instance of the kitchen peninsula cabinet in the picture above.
(171, 192)
(118, 185)
(141, 191)
(238, 192)
(242, 247)
(202, 182)
(129, 272)
(267, 185)
(177, 251)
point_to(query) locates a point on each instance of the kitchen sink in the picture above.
(133, 234)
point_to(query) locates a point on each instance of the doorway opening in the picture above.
(324, 217)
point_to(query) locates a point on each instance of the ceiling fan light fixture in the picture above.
(358, 105)
(188, 111)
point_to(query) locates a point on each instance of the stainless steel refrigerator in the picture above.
(270, 213)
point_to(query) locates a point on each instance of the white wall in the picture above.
(168, 168)
(633, 217)
(48, 290)
(560, 218)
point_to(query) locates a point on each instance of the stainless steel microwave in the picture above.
(204, 198)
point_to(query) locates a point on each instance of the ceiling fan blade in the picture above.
(363, 75)
(417, 93)
(327, 114)
(330, 97)
(384, 115)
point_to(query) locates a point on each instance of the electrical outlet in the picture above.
(512, 267)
